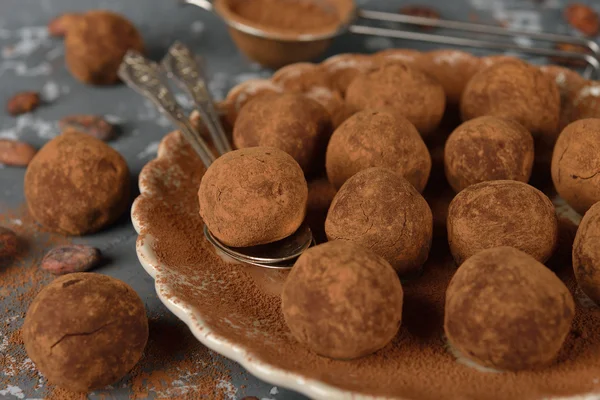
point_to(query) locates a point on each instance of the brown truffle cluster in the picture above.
(253, 196)
(77, 184)
(506, 310)
(501, 213)
(486, 149)
(382, 211)
(405, 90)
(290, 122)
(377, 138)
(96, 43)
(514, 90)
(85, 331)
(342, 300)
(586, 254)
(576, 162)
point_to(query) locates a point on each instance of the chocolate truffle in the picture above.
(487, 149)
(586, 254)
(241, 94)
(391, 56)
(576, 162)
(514, 90)
(96, 43)
(290, 122)
(507, 311)
(382, 211)
(488, 61)
(501, 213)
(569, 82)
(332, 101)
(320, 195)
(585, 102)
(85, 331)
(253, 196)
(377, 138)
(452, 69)
(77, 184)
(404, 89)
(301, 77)
(343, 68)
(342, 301)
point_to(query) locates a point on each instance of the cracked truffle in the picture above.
(506, 310)
(514, 90)
(382, 211)
(77, 184)
(377, 138)
(96, 43)
(405, 90)
(576, 164)
(487, 149)
(501, 213)
(586, 254)
(253, 196)
(342, 300)
(85, 331)
(290, 122)
(452, 69)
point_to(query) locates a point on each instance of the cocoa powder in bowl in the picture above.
(292, 30)
(415, 365)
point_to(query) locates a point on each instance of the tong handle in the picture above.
(144, 76)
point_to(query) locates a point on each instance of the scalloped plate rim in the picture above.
(193, 319)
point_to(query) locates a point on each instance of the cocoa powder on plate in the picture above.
(243, 303)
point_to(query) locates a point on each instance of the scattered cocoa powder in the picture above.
(415, 365)
(23, 102)
(174, 365)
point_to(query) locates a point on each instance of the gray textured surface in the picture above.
(36, 63)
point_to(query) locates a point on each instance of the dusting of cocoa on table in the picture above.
(415, 365)
(172, 355)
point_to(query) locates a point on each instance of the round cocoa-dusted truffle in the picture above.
(382, 211)
(487, 149)
(253, 196)
(85, 331)
(377, 138)
(332, 101)
(452, 69)
(576, 162)
(342, 301)
(301, 77)
(501, 213)
(290, 122)
(586, 253)
(514, 90)
(96, 43)
(404, 89)
(77, 184)
(506, 310)
(241, 94)
(343, 68)
(569, 82)
(488, 61)
(391, 56)
(584, 102)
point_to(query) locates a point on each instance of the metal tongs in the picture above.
(149, 79)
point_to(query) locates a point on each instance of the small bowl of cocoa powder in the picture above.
(275, 33)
